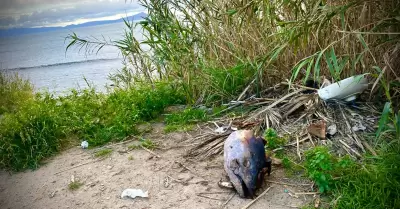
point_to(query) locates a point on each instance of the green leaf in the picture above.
(342, 20)
(330, 66)
(361, 38)
(309, 69)
(334, 59)
(317, 67)
(383, 120)
(231, 12)
(297, 70)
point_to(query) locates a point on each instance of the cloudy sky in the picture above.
(41, 13)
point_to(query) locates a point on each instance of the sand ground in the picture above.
(171, 181)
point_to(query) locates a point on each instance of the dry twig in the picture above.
(255, 200)
(149, 151)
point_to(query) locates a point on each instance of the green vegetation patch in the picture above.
(146, 143)
(273, 140)
(42, 125)
(103, 153)
(373, 184)
(185, 119)
(74, 185)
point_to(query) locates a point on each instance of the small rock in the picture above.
(51, 195)
(91, 184)
(185, 177)
(109, 167)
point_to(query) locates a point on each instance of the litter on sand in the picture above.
(84, 145)
(133, 193)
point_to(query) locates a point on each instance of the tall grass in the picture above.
(13, 90)
(272, 40)
(373, 184)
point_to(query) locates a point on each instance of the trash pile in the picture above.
(330, 116)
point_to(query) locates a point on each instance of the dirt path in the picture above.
(169, 182)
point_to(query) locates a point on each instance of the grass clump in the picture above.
(374, 183)
(75, 185)
(273, 140)
(184, 120)
(103, 153)
(13, 91)
(146, 143)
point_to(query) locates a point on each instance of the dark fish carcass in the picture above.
(245, 162)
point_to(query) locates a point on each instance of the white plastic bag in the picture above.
(133, 193)
(84, 144)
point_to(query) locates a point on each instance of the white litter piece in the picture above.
(221, 130)
(359, 127)
(332, 129)
(346, 89)
(133, 193)
(84, 144)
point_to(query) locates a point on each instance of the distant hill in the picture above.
(22, 31)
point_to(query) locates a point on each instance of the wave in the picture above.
(65, 63)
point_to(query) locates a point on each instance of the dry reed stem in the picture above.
(255, 200)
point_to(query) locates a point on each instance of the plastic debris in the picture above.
(133, 193)
(226, 184)
(359, 127)
(332, 130)
(221, 130)
(346, 89)
(84, 145)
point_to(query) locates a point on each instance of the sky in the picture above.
(53, 13)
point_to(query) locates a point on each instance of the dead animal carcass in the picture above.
(245, 162)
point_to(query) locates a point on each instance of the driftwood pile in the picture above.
(300, 116)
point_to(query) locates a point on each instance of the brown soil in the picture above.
(167, 179)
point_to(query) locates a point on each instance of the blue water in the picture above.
(42, 58)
